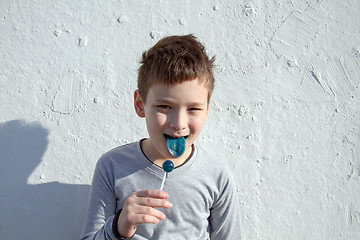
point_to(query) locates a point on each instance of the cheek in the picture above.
(196, 125)
(158, 119)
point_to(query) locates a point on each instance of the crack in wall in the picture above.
(68, 93)
(296, 31)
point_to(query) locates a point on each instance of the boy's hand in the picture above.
(140, 208)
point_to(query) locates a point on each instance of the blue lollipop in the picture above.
(168, 166)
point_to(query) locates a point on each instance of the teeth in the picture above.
(176, 146)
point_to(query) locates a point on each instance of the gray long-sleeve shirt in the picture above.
(202, 191)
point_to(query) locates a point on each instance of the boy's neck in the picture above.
(158, 159)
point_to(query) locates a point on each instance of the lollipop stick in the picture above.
(163, 181)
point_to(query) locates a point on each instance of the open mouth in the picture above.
(172, 137)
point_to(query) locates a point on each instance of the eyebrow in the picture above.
(168, 100)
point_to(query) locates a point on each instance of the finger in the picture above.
(153, 194)
(143, 210)
(144, 218)
(141, 214)
(153, 202)
(135, 200)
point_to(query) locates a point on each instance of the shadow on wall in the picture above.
(51, 211)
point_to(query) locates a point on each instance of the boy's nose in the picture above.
(179, 120)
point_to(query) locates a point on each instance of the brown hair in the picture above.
(173, 60)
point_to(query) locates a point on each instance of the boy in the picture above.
(199, 200)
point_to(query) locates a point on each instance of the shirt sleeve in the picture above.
(101, 205)
(225, 212)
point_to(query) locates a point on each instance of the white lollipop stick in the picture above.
(163, 181)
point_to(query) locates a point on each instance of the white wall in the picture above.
(285, 113)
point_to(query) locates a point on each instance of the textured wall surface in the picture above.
(285, 112)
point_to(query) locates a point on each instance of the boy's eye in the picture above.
(194, 109)
(164, 106)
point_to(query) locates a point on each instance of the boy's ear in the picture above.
(138, 104)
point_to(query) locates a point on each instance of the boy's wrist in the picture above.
(115, 226)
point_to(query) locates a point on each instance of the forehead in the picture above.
(190, 91)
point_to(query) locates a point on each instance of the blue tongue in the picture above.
(176, 146)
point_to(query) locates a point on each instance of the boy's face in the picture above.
(176, 110)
